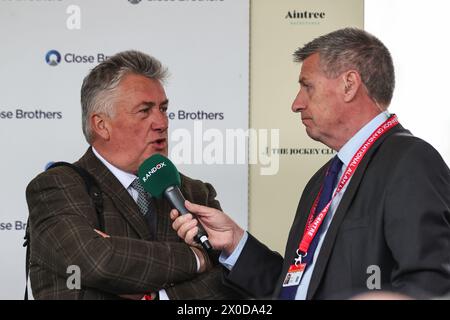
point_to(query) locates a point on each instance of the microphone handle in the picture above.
(176, 198)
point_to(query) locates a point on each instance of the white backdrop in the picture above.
(416, 33)
(203, 43)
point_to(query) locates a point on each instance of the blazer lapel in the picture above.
(340, 213)
(164, 223)
(119, 195)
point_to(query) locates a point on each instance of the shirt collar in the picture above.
(124, 178)
(351, 147)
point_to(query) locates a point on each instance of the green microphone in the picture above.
(160, 178)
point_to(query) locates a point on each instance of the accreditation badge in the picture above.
(294, 275)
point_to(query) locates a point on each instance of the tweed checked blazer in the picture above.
(62, 221)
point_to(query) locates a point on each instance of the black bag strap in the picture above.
(92, 189)
(27, 257)
(94, 192)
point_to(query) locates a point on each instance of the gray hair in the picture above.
(352, 48)
(99, 89)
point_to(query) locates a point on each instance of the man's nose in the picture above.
(298, 104)
(160, 121)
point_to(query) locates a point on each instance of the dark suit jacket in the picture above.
(62, 219)
(395, 214)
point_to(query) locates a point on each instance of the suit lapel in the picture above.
(164, 224)
(330, 237)
(118, 194)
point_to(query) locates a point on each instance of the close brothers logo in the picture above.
(54, 58)
(16, 225)
(153, 171)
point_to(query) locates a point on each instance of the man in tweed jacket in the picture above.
(124, 120)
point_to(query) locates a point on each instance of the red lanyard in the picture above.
(313, 226)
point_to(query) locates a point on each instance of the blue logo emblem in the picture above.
(53, 58)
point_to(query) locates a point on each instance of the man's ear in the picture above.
(100, 124)
(351, 84)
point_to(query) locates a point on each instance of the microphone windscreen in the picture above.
(157, 173)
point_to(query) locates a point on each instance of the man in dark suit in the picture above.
(376, 216)
(124, 120)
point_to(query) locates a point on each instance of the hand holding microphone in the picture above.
(223, 233)
(160, 177)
